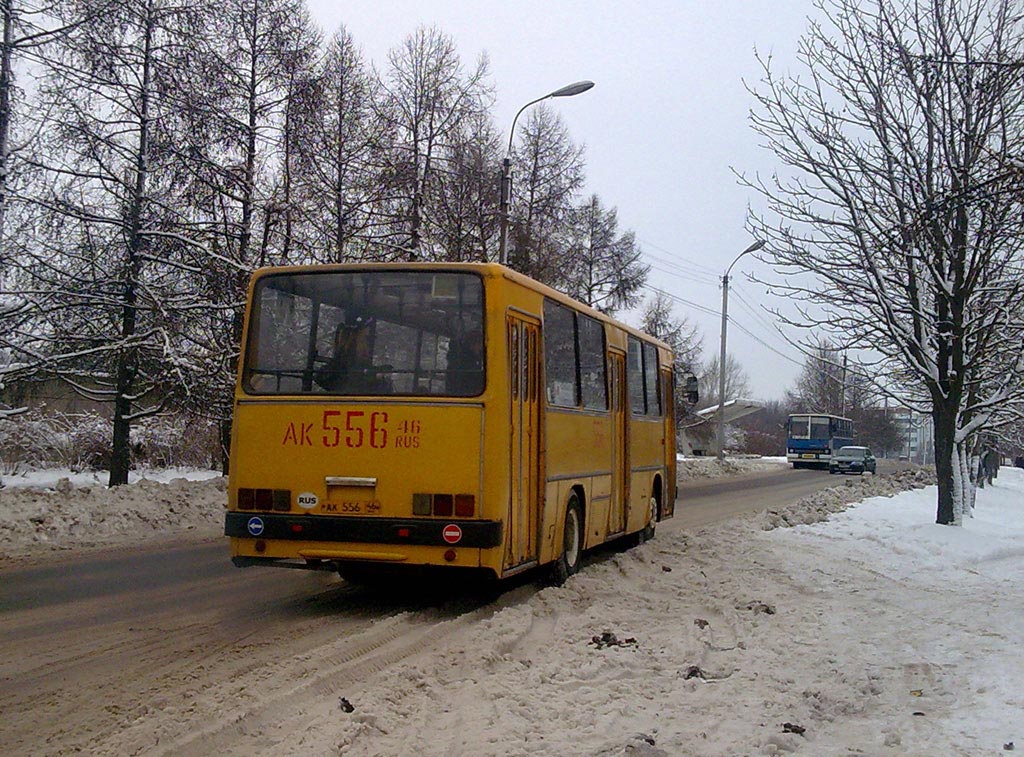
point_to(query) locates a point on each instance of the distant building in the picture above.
(917, 433)
(701, 438)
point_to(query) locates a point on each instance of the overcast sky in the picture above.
(663, 126)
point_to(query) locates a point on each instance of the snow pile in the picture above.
(820, 505)
(875, 632)
(68, 517)
(689, 468)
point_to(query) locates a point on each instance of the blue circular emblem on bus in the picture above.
(255, 526)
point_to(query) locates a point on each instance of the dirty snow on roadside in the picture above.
(689, 468)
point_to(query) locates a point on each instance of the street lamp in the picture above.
(721, 360)
(506, 164)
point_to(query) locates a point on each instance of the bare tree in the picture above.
(548, 176)
(428, 98)
(601, 265)
(339, 153)
(467, 205)
(683, 337)
(737, 382)
(899, 226)
(822, 383)
(101, 285)
(27, 28)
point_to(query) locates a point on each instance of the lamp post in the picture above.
(721, 359)
(506, 165)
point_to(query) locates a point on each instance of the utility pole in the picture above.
(843, 400)
(721, 359)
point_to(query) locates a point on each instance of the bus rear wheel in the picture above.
(572, 542)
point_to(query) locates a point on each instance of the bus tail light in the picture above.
(465, 505)
(421, 504)
(444, 505)
(265, 499)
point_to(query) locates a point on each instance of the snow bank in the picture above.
(689, 468)
(66, 516)
(847, 491)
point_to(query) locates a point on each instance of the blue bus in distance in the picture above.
(812, 438)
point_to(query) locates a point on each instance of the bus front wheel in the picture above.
(572, 542)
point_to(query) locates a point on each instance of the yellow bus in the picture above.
(429, 414)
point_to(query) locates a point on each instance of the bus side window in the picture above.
(635, 377)
(560, 355)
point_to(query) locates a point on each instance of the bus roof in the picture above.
(819, 415)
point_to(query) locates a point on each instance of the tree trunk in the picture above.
(6, 84)
(120, 448)
(944, 418)
(225, 445)
(127, 356)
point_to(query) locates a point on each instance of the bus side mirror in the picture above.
(692, 389)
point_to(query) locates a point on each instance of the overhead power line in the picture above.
(718, 314)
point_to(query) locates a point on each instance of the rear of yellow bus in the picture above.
(359, 420)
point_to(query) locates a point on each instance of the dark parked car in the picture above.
(852, 460)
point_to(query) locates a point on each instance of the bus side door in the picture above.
(522, 521)
(620, 447)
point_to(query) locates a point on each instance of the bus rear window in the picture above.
(366, 333)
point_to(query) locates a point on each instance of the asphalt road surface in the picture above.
(95, 645)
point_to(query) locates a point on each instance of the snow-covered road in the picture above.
(874, 632)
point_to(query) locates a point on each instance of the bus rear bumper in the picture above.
(399, 532)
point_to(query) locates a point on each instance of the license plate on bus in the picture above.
(805, 456)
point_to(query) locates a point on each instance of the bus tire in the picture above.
(568, 561)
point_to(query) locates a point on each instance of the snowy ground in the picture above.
(874, 632)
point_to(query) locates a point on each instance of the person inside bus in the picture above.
(349, 369)
(465, 372)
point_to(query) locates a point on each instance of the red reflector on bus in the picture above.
(261, 546)
(449, 555)
(296, 528)
(404, 533)
(443, 504)
(465, 504)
